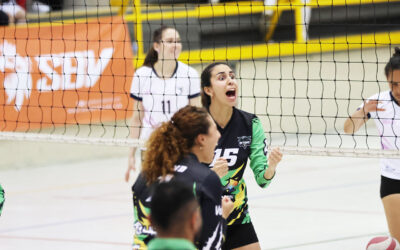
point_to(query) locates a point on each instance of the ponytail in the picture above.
(174, 139)
(152, 55)
(394, 62)
(165, 147)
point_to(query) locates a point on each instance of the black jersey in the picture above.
(242, 138)
(208, 191)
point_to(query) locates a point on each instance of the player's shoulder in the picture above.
(190, 166)
(247, 116)
(185, 69)
(381, 96)
(144, 71)
(140, 184)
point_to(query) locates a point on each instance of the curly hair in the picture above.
(170, 142)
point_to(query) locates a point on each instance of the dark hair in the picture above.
(170, 142)
(394, 62)
(152, 55)
(170, 204)
(206, 82)
(4, 19)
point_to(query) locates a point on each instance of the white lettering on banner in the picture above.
(82, 64)
(96, 104)
(17, 79)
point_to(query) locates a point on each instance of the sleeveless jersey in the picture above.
(207, 189)
(161, 98)
(242, 138)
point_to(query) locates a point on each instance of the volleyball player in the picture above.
(161, 87)
(175, 150)
(242, 138)
(384, 109)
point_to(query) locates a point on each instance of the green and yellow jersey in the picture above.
(208, 191)
(242, 138)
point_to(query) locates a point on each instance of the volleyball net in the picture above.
(303, 68)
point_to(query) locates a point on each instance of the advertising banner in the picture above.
(61, 74)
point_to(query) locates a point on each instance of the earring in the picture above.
(201, 148)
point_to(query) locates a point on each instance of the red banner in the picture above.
(62, 74)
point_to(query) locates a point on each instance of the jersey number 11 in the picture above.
(169, 106)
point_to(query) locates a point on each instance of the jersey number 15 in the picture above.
(230, 154)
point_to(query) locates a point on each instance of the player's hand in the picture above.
(221, 167)
(131, 166)
(227, 206)
(372, 106)
(274, 157)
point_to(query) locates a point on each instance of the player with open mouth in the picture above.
(242, 138)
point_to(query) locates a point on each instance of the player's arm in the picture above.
(138, 113)
(361, 116)
(143, 232)
(263, 172)
(136, 124)
(214, 225)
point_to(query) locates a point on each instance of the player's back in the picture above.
(208, 190)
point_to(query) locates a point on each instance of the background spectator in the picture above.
(16, 13)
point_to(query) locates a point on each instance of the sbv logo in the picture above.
(17, 77)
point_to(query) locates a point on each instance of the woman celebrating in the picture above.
(384, 108)
(161, 87)
(176, 150)
(242, 138)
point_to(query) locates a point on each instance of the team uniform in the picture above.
(208, 191)
(1, 198)
(388, 125)
(242, 138)
(171, 244)
(161, 98)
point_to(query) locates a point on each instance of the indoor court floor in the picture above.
(313, 203)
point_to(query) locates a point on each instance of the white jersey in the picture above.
(388, 124)
(161, 98)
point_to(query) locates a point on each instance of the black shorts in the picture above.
(239, 235)
(389, 186)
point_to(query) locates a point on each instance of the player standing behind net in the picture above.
(175, 150)
(384, 108)
(161, 87)
(242, 138)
